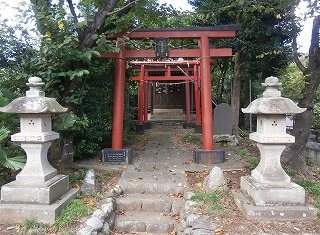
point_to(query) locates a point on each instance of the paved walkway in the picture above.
(160, 154)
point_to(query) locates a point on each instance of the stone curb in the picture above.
(102, 220)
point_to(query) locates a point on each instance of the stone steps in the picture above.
(152, 182)
(151, 202)
(149, 222)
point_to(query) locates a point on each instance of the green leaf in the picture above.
(14, 163)
(4, 132)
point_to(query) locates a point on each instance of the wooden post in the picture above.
(206, 96)
(118, 105)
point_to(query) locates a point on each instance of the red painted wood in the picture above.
(146, 95)
(197, 96)
(141, 97)
(175, 53)
(188, 116)
(206, 97)
(192, 34)
(118, 105)
(164, 78)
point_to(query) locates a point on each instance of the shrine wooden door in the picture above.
(169, 95)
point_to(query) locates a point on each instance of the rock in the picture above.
(106, 229)
(215, 181)
(188, 195)
(115, 192)
(90, 185)
(95, 223)
(203, 222)
(87, 230)
(200, 232)
(99, 213)
(191, 218)
(107, 208)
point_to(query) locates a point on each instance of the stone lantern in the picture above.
(38, 191)
(269, 193)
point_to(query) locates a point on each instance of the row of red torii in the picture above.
(201, 59)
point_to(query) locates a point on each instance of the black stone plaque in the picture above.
(162, 47)
(121, 156)
(209, 156)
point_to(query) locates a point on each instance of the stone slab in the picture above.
(281, 213)
(149, 202)
(17, 213)
(222, 120)
(35, 192)
(152, 182)
(272, 195)
(144, 222)
(121, 156)
(209, 156)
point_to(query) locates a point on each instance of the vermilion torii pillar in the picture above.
(207, 155)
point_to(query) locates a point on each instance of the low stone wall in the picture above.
(312, 150)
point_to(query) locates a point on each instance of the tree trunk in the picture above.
(235, 96)
(246, 116)
(303, 122)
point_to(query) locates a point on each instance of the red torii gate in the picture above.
(203, 53)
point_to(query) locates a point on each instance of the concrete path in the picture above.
(159, 155)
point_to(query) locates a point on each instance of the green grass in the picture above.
(313, 189)
(76, 209)
(252, 161)
(191, 138)
(212, 201)
(105, 176)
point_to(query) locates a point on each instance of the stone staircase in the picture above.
(151, 203)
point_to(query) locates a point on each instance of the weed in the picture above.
(310, 161)
(312, 186)
(191, 138)
(33, 227)
(245, 134)
(252, 161)
(289, 170)
(105, 176)
(66, 233)
(77, 176)
(76, 209)
(211, 201)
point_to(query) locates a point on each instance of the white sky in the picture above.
(303, 39)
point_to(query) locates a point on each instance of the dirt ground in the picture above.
(230, 220)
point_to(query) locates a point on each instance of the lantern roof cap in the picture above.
(271, 101)
(34, 101)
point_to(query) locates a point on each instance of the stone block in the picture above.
(188, 125)
(209, 156)
(140, 129)
(35, 192)
(198, 128)
(16, 213)
(215, 181)
(147, 125)
(121, 156)
(281, 213)
(268, 195)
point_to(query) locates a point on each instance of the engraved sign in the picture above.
(162, 47)
(117, 156)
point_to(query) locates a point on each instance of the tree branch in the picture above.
(294, 42)
(97, 26)
(75, 18)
